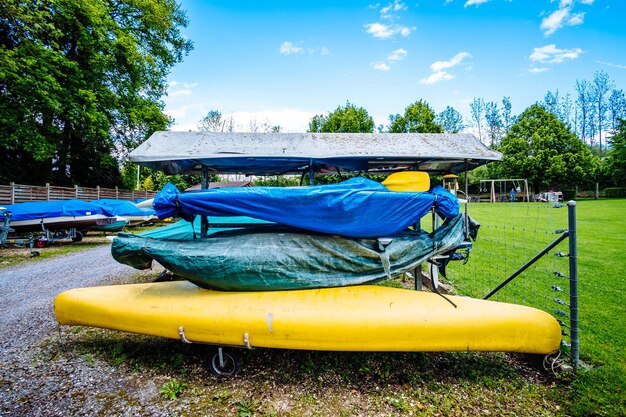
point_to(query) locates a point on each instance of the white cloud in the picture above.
(576, 19)
(438, 66)
(475, 2)
(379, 30)
(396, 6)
(554, 21)
(391, 10)
(290, 120)
(380, 66)
(180, 88)
(563, 16)
(182, 84)
(397, 55)
(550, 54)
(288, 48)
(609, 64)
(180, 93)
(436, 77)
(538, 70)
(405, 30)
(383, 31)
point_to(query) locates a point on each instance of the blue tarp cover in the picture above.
(47, 209)
(184, 230)
(357, 207)
(123, 207)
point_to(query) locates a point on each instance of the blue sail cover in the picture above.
(48, 209)
(123, 207)
(357, 207)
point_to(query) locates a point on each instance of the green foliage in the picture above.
(80, 81)
(129, 176)
(615, 192)
(247, 408)
(279, 181)
(348, 119)
(616, 160)
(540, 148)
(510, 235)
(418, 117)
(172, 389)
(212, 122)
(599, 392)
(450, 120)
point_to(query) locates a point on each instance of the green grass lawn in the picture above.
(512, 234)
(459, 384)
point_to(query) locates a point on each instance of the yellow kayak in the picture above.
(357, 318)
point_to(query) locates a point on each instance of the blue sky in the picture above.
(282, 62)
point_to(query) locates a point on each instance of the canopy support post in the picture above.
(204, 184)
(466, 202)
(311, 173)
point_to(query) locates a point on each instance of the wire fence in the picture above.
(511, 235)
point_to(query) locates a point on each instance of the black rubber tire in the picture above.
(40, 243)
(232, 363)
(78, 237)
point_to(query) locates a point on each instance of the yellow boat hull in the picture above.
(359, 318)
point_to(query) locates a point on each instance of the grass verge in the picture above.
(511, 234)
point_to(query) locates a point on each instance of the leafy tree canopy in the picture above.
(81, 81)
(418, 117)
(450, 120)
(348, 119)
(540, 148)
(616, 160)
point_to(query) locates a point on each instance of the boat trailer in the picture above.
(20, 242)
(47, 238)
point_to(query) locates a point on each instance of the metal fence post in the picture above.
(573, 282)
(12, 193)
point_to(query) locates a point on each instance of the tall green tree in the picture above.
(494, 122)
(616, 159)
(507, 118)
(600, 88)
(347, 119)
(477, 110)
(450, 120)
(81, 82)
(418, 117)
(540, 148)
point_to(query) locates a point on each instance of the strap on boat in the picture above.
(434, 285)
(384, 255)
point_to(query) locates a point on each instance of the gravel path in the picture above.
(30, 385)
(28, 291)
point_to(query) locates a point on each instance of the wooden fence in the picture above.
(19, 193)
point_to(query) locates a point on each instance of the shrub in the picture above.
(615, 192)
(569, 194)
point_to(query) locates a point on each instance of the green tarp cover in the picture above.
(280, 258)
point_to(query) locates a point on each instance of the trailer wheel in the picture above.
(40, 243)
(229, 365)
(78, 237)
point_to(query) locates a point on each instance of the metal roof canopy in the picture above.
(290, 153)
